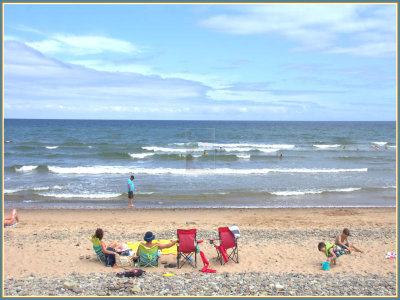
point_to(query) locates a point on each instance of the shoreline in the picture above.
(124, 207)
(50, 246)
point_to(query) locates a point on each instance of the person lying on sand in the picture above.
(331, 251)
(112, 248)
(342, 240)
(13, 220)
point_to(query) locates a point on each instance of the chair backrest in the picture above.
(97, 248)
(187, 240)
(227, 238)
(148, 256)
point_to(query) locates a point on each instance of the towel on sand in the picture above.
(171, 250)
(235, 231)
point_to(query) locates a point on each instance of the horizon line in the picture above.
(199, 120)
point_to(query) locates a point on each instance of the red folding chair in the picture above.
(229, 246)
(187, 247)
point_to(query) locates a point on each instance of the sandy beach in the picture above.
(53, 244)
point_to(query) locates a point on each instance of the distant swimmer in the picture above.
(281, 156)
(344, 147)
(220, 149)
(376, 148)
(386, 147)
(205, 152)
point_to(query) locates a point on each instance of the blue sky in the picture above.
(200, 62)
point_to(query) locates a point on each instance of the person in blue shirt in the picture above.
(131, 188)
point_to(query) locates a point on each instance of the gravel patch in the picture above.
(200, 284)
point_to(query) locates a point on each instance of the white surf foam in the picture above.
(51, 147)
(246, 149)
(58, 187)
(380, 143)
(295, 193)
(239, 149)
(326, 146)
(43, 188)
(82, 195)
(345, 190)
(164, 149)
(10, 191)
(46, 188)
(223, 146)
(268, 150)
(243, 156)
(26, 168)
(140, 155)
(154, 171)
(309, 192)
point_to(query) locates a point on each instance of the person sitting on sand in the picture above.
(331, 251)
(13, 220)
(342, 240)
(113, 248)
(149, 237)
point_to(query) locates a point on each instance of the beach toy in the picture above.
(325, 266)
(168, 274)
(391, 255)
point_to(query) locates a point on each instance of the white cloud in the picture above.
(210, 80)
(107, 66)
(82, 45)
(33, 77)
(316, 26)
(28, 29)
(10, 38)
(369, 49)
(256, 96)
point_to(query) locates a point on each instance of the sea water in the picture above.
(184, 164)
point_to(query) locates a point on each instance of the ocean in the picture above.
(85, 164)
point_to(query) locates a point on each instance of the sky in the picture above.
(289, 62)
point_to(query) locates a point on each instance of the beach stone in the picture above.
(26, 293)
(77, 290)
(136, 289)
(69, 285)
(279, 287)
